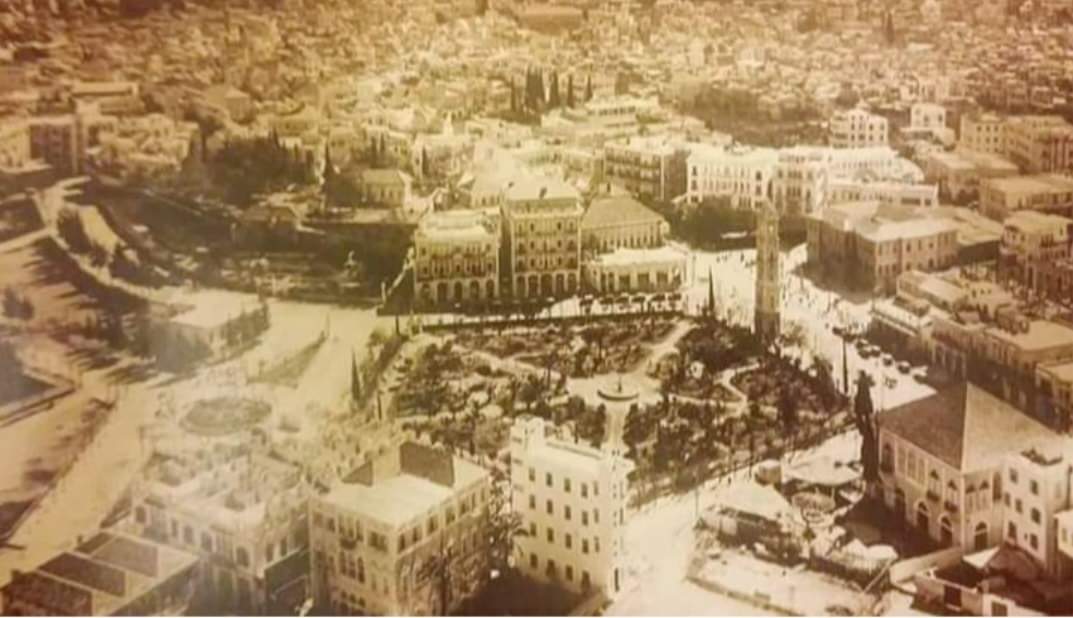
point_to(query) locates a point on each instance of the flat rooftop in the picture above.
(1041, 335)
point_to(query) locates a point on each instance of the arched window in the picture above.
(887, 460)
(946, 531)
(923, 516)
(979, 537)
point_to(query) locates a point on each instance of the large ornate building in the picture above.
(542, 231)
(456, 258)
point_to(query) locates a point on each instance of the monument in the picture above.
(768, 274)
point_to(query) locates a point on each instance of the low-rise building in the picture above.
(111, 574)
(401, 535)
(618, 221)
(868, 244)
(660, 269)
(1030, 240)
(243, 511)
(959, 173)
(941, 463)
(1000, 197)
(385, 187)
(456, 258)
(573, 502)
(842, 190)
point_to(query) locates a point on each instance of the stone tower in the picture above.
(768, 273)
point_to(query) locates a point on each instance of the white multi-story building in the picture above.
(376, 535)
(572, 499)
(858, 128)
(742, 174)
(1038, 482)
(456, 258)
(799, 185)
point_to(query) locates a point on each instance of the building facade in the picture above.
(1000, 197)
(941, 463)
(243, 512)
(573, 502)
(542, 232)
(982, 132)
(401, 535)
(743, 175)
(456, 258)
(858, 128)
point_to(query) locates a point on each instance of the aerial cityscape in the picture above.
(536, 307)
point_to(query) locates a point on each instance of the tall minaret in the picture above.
(768, 273)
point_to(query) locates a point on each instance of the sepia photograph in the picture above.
(536, 307)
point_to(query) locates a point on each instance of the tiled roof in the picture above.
(964, 426)
(618, 210)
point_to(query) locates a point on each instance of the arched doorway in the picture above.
(441, 292)
(534, 286)
(979, 537)
(560, 283)
(458, 291)
(545, 284)
(474, 290)
(946, 531)
(923, 517)
(490, 290)
(571, 283)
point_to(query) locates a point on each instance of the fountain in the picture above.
(618, 391)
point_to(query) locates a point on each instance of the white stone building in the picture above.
(573, 501)
(742, 174)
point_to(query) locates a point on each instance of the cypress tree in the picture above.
(355, 378)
